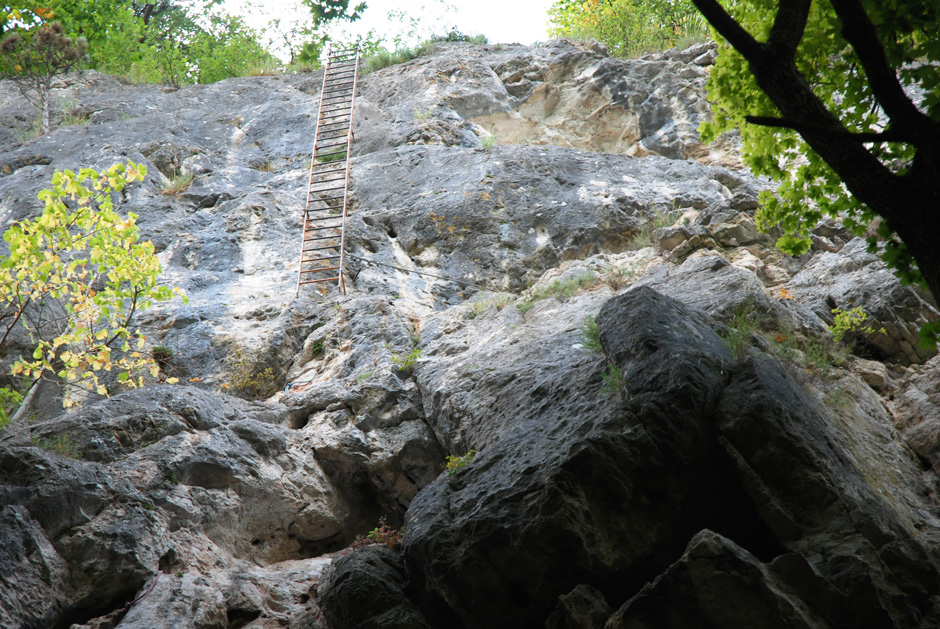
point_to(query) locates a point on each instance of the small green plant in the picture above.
(246, 375)
(60, 444)
(660, 219)
(737, 338)
(613, 380)
(405, 362)
(171, 478)
(10, 400)
(488, 141)
(420, 114)
(454, 464)
(317, 349)
(364, 376)
(382, 534)
(590, 336)
(177, 184)
(850, 321)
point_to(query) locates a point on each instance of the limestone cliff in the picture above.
(649, 472)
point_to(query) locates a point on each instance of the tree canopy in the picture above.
(839, 101)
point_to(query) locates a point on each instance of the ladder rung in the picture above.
(320, 258)
(328, 189)
(326, 268)
(332, 88)
(341, 96)
(334, 51)
(332, 135)
(333, 124)
(326, 199)
(335, 217)
(334, 116)
(329, 279)
(319, 238)
(350, 72)
(332, 144)
(328, 180)
(332, 248)
(325, 227)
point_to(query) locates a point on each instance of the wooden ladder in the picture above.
(324, 236)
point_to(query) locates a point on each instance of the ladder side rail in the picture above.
(349, 139)
(313, 162)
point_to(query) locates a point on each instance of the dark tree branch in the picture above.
(742, 41)
(858, 30)
(788, 28)
(889, 135)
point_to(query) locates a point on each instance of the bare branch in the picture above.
(743, 41)
(858, 30)
(889, 135)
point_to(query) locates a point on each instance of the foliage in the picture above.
(829, 119)
(612, 377)
(846, 321)
(619, 276)
(382, 534)
(247, 376)
(9, 402)
(628, 27)
(31, 58)
(488, 141)
(590, 336)
(75, 277)
(454, 463)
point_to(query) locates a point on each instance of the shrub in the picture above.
(613, 380)
(177, 184)
(74, 278)
(737, 338)
(247, 376)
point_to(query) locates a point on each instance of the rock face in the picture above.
(653, 426)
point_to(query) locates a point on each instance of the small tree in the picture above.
(32, 58)
(74, 278)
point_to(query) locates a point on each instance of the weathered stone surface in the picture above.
(581, 608)
(577, 496)
(853, 277)
(366, 589)
(719, 584)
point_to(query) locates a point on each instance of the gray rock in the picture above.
(366, 589)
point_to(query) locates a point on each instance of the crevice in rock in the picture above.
(238, 617)
(83, 611)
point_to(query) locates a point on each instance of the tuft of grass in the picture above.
(590, 336)
(737, 338)
(335, 156)
(177, 184)
(386, 58)
(421, 114)
(74, 117)
(560, 289)
(480, 303)
(613, 380)
(618, 277)
(661, 218)
(488, 141)
(60, 444)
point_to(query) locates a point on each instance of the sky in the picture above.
(502, 21)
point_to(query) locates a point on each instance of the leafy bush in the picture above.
(629, 27)
(850, 321)
(60, 444)
(74, 278)
(247, 376)
(737, 338)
